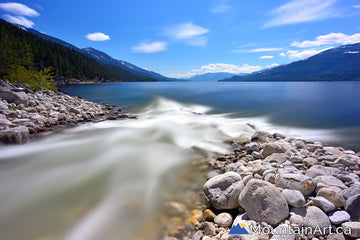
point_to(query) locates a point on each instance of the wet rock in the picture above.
(352, 206)
(324, 204)
(223, 220)
(270, 148)
(223, 190)
(295, 181)
(354, 228)
(315, 217)
(332, 194)
(16, 135)
(339, 217)
(294, 198)
(262, 201)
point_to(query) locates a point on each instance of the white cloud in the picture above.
(19, 20)
(356, 6)
(97, 36)
(185, 31)
(298, 11)
(272, 65)
(266, 57)
(221, 7)
(282, 54)
(19, 9)
(265, 50)
(150, 47)
(219, 67)
(303, 54)
(329, 39)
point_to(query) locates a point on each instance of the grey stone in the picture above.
(223, 220)
(339, 217)
(324, 204)
(284, 231)
(333, 194)
(261, 136)
(3, 106)
(296, 159)
(315, 217)
(296, 219)
(330, 181)
(335, 237)
(74, 110)
(309, 162)
(270, 148)
(5, 122)
(197, 235)
(277, 158)
(351, 191)
(318, 170)
(208, 228)
(294, 198)
(348, 160)
(352, 206)
(354, 228)
(17, 135)
(295, 181)
(262, 201)
(232, 167)
(252, 146)
(257, 155)
(211, 175)
(223, 190)
(14, 97)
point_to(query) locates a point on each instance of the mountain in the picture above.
(336, 64)
(106, 59)
(29, 49)
(211, 77)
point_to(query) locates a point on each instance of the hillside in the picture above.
(21, 47)
(211, 77)
(106, 59)
(336, 64)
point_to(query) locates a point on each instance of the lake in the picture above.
(111, 180)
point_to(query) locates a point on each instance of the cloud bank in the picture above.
(18, 12)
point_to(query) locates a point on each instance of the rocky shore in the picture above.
(279, 187)
(24, 113)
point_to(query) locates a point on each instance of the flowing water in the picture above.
(109, 180)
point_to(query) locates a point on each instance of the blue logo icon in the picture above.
(239, 230)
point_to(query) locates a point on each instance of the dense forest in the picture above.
(20, 50)
(336, 64)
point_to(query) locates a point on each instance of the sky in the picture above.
(182, 38)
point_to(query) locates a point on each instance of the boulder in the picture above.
(17, 135)
(324, 204)
(14, 97)
(315, 217)
(354, 228)
(351, 191)
(277, 158)
(330, 181)
(339, 217)
(318, 170)
(270, 148)
(352, 206)
(333, 194)
(252, 146)
(223, 190)
(263, 202)
(294, 198)
(295, 181)
(260, 136)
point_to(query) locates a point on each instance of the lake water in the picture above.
(110, 180)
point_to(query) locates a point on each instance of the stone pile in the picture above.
(24, 113)
(275, 183)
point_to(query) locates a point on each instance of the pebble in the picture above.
(339, 217)
(223, 220)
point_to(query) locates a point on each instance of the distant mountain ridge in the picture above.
(211, 77)
(337, 64)
(106, 59)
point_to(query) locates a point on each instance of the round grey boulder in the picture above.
(316, 218)
(223, 220)
(223, 190)
(296, 181)
(263, 202)
(294, 197)
(339, 217)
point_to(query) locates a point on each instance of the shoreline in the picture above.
(272, 182)
(26, 115)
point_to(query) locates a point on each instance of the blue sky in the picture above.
(181, 38)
